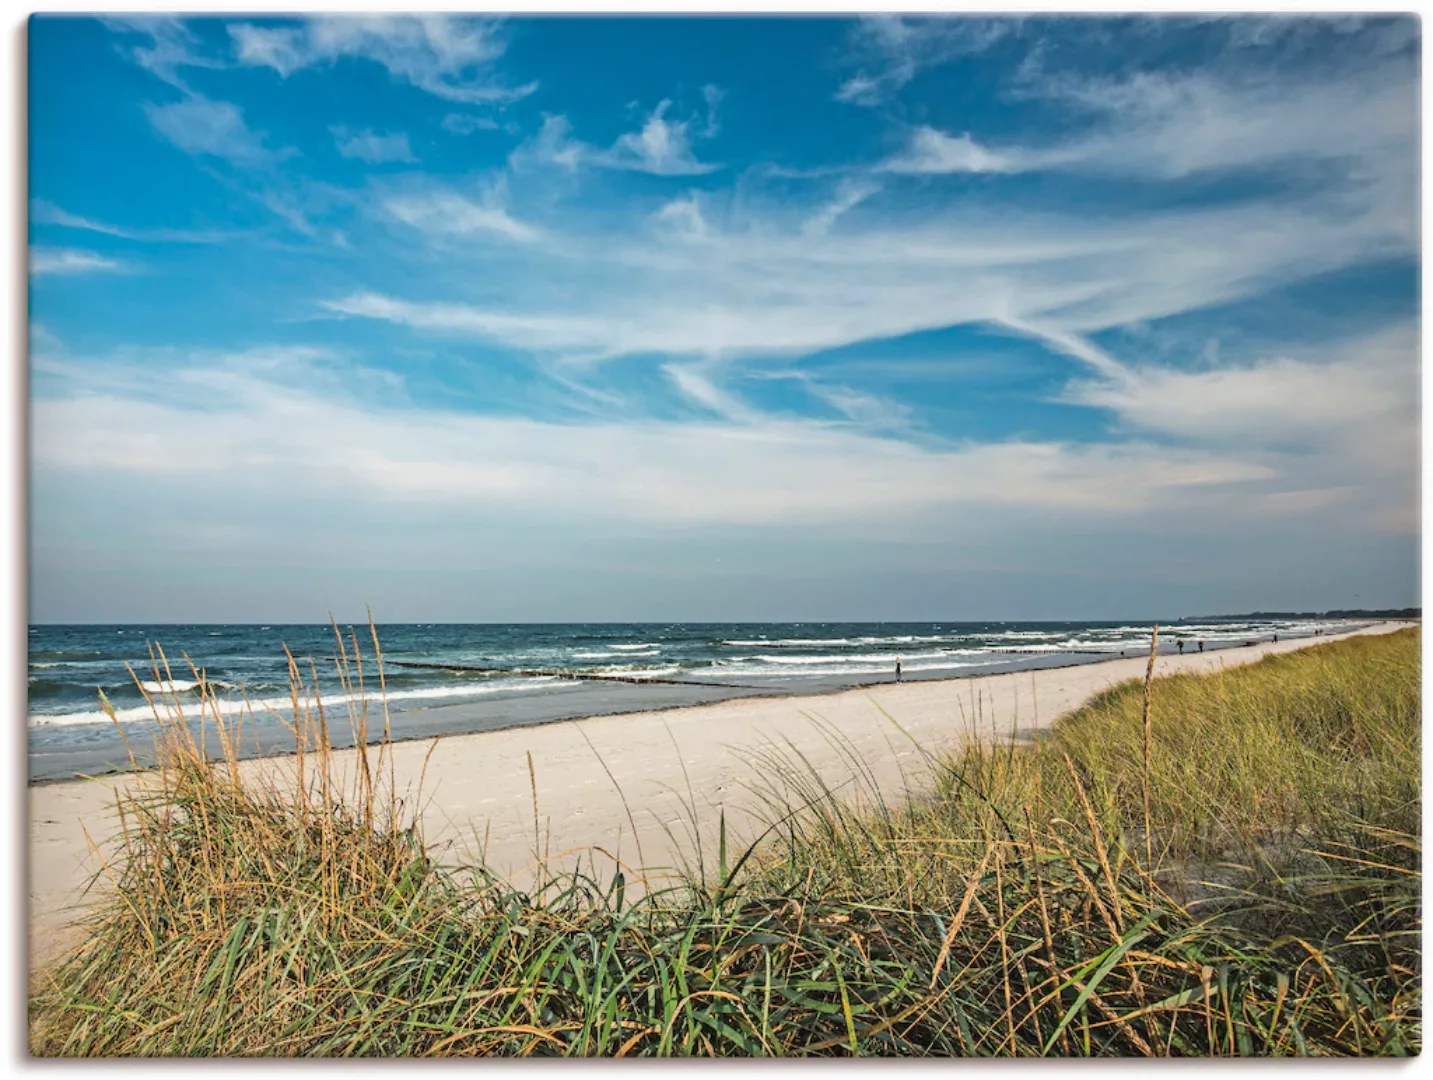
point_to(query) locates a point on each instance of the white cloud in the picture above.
(892, 50)
(773, 287)
(1071, 345)
(48, 260)
(662, 146)
(172, 45)
(445, 213)
(1361, 396)
(466, 123)
(712, 95)
(198, 126)
(373, 148)
(684, 217)
(451, 58)
(47, 213)
(932, 151)
(850, 193)
(696, 384)
(868, 410)
(537, 332)
(1173, 126)
(552, 145)
(281, 48)
(286, 206)
(1347, 414)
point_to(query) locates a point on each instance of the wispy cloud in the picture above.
(698, 286)
(662, 146)
(308, 207)
(863, 408)
(200, 126)
(712, 95)
(48, 260)
(1358, 394)
(1176, 125)
(372, 147)
(446, 213)
(1172, 126)
(553, 145)
(932, 151)
(537, 332)
(1346, 414)
(891, 50)
(172, 46)
(449, 57)
(47, 213)
(467, 123)
(683, 217)
(697, 383)
(850, 193)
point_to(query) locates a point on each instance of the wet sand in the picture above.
(672, 766)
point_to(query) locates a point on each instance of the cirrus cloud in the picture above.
(448, 57)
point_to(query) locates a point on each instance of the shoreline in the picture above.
(478, 791)
(473, 717)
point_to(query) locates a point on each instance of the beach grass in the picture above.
(1223, 864)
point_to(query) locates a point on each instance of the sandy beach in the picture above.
(668, 766)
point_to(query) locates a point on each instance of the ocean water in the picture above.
(443, 678)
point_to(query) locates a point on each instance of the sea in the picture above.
(448, 678)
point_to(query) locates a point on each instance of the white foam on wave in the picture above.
(859, 658)
(178, 686)
(641, 673)
(634, 648)
(236, 705)
(787, 643)
(842, 669)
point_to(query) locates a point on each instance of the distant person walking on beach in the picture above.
(1181, 646)
(1201, 644)
(1276, 639)
(898, 669)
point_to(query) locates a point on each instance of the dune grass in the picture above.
(1024, 903)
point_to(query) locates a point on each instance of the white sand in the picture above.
(479, 784)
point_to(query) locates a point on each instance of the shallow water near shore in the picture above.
(448, 679)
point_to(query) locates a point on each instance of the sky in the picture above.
(722, 319)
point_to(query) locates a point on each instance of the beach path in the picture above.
(671, 766)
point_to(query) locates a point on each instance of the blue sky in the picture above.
(722, 318)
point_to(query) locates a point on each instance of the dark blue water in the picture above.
(526, 673)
